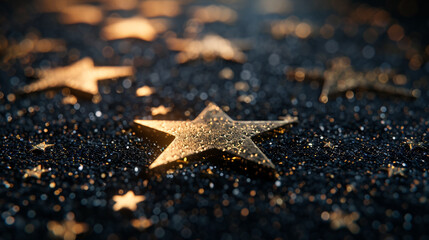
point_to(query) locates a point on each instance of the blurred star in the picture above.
(340, 219)
(129, 200)
(135, 27)
(342, 78)
(145, 91)
(141, 223)
(329, 145)
(212, 129)
(68, 229)
(161, 110)
(208, 48)
(82, 76)
(41, 146)
(394, 171)
(160, 8)
(35, 172)
(83, 13)
(214, 13)
(31, 44)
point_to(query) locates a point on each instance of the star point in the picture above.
(128, 200)
(213, 129)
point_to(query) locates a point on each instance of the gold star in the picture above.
(31, 44)
(41, 146)
(214, 13)
(68, 229)
(342, 78)
(329, 145)
(213, 129)
(35, 172)
(161, 8)
(141, 223)
(393, 171)
(135, 27)
(81, 76)
(208, 48)
(161, 110)
(129, 200)
(145, 91)
(81, 13)
(340, 219)
(413, 144)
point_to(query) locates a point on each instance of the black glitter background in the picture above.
(98, 153)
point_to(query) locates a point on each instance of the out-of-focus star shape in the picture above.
(329, 145)
(41, 146)
(129, 200)
(161, 110)
(208, 48)
(35, 172)
(82, 76)
(342, 78)
(67, 229)
(135, 27)
(31, 44)
(340, 219)
(394, 171)
(161, 8)
(213, 129)
(214, 13)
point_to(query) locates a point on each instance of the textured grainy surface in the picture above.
(339, 190)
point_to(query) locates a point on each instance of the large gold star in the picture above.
(213, 129)
(208, 48)
(129, 200)
(35, 172)
(342, 78)
(81, 76)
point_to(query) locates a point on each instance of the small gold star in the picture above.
(393, 171)
(214, 13)
(145, 91)
(213, 129)
(342, 78)
(208, 48)
(135, 27)
(129, 200)
(161, 110)
(329, 145)
(141, 223)
(82, 13)
(35, 172)
(340, 219)
(31, 44)
(68, 229)
(413, 144)
(41, 146)
(161, 8)
(82, 76)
